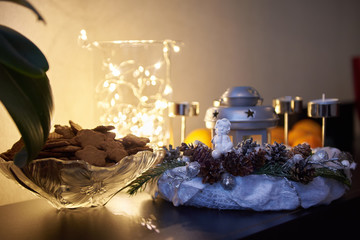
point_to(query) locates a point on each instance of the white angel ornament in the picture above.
(221, 141)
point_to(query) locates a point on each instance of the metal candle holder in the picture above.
(323, 108)
(287, 105)
(242, 107)
(183, 109)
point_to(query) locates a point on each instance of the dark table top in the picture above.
(141, 217)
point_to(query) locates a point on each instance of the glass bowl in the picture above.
(75, 183)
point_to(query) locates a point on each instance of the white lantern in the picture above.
(242, 107)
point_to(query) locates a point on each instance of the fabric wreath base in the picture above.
(256, 192)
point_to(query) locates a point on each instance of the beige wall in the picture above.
(280, 47)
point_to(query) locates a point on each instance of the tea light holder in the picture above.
(323, 108)
(287, 105)
(183, 109)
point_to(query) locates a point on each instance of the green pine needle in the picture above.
(150, 176)
(334, 174)
(274, 169)
(279, 170)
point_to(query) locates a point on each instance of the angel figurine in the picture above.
(221, 141)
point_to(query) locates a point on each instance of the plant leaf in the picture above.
(29, 103)
(22, 55)
(28, 5)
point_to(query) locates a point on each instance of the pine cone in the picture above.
(237, 165)
(200, 153)
(187, 149)
(210, 168)
(277, 153)
(171, 153)
(257, 158)
(302, 172)
(247, 146)
(303, 149)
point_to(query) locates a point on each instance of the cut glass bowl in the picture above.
(75, 183)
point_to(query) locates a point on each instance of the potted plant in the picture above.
(24, 88)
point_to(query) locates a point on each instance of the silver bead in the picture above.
(192, 169)
(227, 181)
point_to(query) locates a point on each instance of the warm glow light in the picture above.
(160, 104)
(144, 98)
(157, 65)
(176, 48)
(112, 87)
(114, 70)
(168, 90)
(133, 95)
(83, 35)
(134, 119)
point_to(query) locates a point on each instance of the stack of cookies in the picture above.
(96, 146)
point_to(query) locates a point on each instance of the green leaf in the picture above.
(22, 55)
(26, 4)
(29, 103)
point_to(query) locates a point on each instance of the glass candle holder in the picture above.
(133, 86)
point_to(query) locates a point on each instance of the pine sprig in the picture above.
(274, 169)
(337, 175)
(151, 175)
(279, 170)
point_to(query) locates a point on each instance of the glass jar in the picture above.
(133, 86)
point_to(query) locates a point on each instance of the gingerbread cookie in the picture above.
(10, 154)
(135, 150)
(130, 141)
(75, 127)
(65, 131)
(104, 129)
(89, 137)
(96, 146)
(92, 155)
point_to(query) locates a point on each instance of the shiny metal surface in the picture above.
(254, 117)
(242, 107)
(239, 105)
(323, 108)
(287, 104)
(183, 109)
(240, 96)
